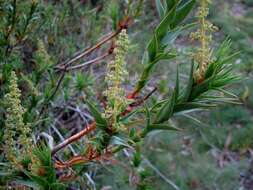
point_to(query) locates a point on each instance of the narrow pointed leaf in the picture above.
(171, 35)
(115, 140)
(167, 109)
(189, 85)
(192, 105)
(182, 12)
(153, 127)
(177, 85)
(153, 48)
(101, 122)
(148, 116)
(164, 25)
(170, 4)
(200, 89)
(128, 116)
(160, 8)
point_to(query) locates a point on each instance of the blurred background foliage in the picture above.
(215, 149)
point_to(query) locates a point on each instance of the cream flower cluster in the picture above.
(116, 75)
(204, 36)
(16, 132)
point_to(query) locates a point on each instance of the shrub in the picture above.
(120, 119)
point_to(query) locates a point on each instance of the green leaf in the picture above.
(122, 141)
(170, 4)
(182, 12)
(221, 99)
(167, 109)
(100, 121)
(144, 58)
(58, 186)
(148, 116)
(223, 49)
(200, 88)
(226, 81)
(126, 118)
(177, 85)
(171, 35)
(137, 159)
(161, 38)
(192, 105)
(40, 181)
(160, 8)
(148, 69)
(164, 25)
(153, 127)
(210, 70)
(165, 56)
(188, 89)
(114, 14)
(153, 48)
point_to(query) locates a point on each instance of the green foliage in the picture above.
(195, 96)
(240, 31)
(43, 174)
(100, 121)
(18, 20)
(83, 81)
(161, 140)
(156, 49)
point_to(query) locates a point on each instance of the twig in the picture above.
(91, 49)
(75, 137)
(57, 86)
(138, 102)
(88, 62)
(123, 24)
(82, 114)
(61, 137)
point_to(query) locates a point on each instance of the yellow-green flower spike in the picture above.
(116, 74)
(204, 35)
(16, 132)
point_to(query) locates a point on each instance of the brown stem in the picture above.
(75, 137)
(133, 95)
(87, 63)
(137, 102)
(91, 49)
(80, 159)
(123, 24)
(57, 86)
